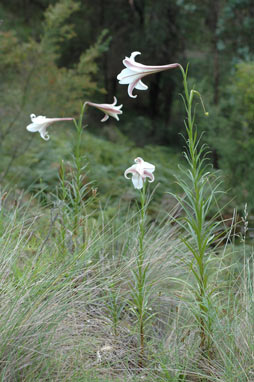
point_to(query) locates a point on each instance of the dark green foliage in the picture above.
(31, 81)
(230, 133)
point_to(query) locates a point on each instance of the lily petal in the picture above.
(131, 87)
(130, 170)
(149, 175)
(137, 181)
(44, 134)
(145, 165)
(115, 101)
(105, 118)
(126, 76)
(32, 127)
(141, 86)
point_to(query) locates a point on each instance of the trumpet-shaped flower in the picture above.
(110, 110)
(134, 72)
(40, 124)
(140, 171)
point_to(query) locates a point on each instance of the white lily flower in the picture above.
(110, 110)
(140, 171)
(40, 124)
(135, 71)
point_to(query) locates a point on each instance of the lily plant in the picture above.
(200, 188)
(134, 72)
(79, 186)
(196, 185)
(140, 288)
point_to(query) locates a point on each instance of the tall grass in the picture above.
(55, 309)
(70, 318)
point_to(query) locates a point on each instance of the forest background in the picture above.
(57, 54)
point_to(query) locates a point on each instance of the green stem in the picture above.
(141, 274)
(198, 219)
(78, 169)
(64, 212)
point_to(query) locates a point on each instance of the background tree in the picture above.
(62, 52)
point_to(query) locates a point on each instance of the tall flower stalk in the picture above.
(78, 188)
(140, 288)
(73, 189)
(198, 196)
(140, 293)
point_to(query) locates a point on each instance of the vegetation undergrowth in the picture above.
(67, 315)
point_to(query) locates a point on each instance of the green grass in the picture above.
(58, 307)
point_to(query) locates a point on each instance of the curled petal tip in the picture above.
(149, 175)
(126, 172)
(131, 95)
(105, 118)
(134, 54)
